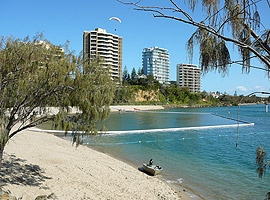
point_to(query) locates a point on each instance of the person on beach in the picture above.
(151, 162)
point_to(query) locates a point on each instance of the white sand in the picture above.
(131, 108)
(116, 108)
(40, 164)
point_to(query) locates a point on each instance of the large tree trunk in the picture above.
(3, 142)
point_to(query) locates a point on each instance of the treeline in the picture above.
(134, 83)
(168, 94)
(131, 79)
(235, 100)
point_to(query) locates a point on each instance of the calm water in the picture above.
(204, 160)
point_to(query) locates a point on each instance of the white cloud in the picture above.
(259, 88)
(242, 88)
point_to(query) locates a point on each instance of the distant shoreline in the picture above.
(117, 108)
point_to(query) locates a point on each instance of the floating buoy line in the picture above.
(180, 139)
(114, 133)
(110, 133)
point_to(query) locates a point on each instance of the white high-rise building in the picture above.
(108, 46)
(188, 75)
(156, 62)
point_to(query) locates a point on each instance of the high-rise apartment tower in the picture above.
(156, 62)
(188, 75)
(108, 46)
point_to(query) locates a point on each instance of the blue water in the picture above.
(206, 161)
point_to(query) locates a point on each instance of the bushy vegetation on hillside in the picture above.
(134, 84)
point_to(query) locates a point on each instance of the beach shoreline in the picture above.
(191, 194)
(116, 108)
(14, 152)
(131, 108)
(37, 163)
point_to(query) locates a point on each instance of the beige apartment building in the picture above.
(108, 46)
(189, 75)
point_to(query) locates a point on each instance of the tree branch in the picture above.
(180, 10)
(30, 125)
(208, 28)
(212, 30)
(263, 44)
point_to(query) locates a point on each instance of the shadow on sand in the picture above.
(16, 171)
(142, 170)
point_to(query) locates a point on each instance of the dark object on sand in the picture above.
(152, 169)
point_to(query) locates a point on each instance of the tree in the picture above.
(139, 72)
(204, 94)
(142, 72)
(128, 78)
(152, 83)
(133, 74)
(36, 76)
(125, 75)
(240, 18)
(123, 95)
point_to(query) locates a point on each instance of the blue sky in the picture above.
(66, 20)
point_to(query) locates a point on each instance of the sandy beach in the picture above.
(134, 107)
(37, 163)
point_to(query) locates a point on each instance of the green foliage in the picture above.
(229, 21)
(152, 83)
(229, 100)
(182, 96)
(162, 98)
(133, 74)
(125, 78)
(242, 19)
(265, 37)
(35, 75)
(139, 73)
(235, 100)
(142, 72)
(213, 101)
(174, 93)
(93, 92)
(214, 54)
(128, 78)
(144, 84)
(204, 94)
(124, 95)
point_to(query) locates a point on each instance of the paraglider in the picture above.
(115, 18)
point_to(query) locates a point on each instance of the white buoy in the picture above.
(266, 108)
